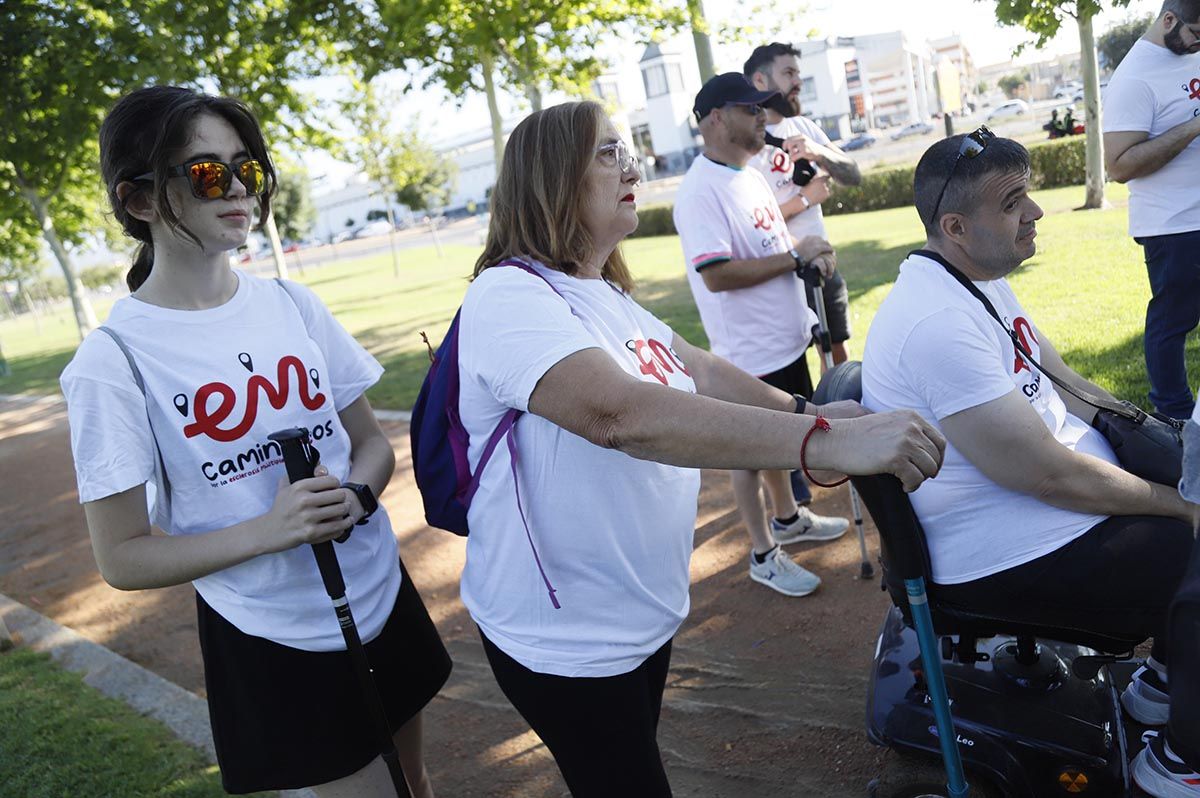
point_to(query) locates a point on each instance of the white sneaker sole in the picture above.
(1148, 776)
(806, 537)
(771, 583)
(1144, 711)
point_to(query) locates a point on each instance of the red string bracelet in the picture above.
(822, 424)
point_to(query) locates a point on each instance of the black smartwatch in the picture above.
(801, 403)
(366, 497)
(801, 263)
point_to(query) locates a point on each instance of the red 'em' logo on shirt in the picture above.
(654, 358)
(1024, 331)
(206, 422)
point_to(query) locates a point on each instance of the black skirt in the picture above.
(283, 718)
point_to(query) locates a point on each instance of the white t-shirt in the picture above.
(1152, 91)
(218, 382)
(933, 348)
(776, 167)
(614, 533)
(723, 213)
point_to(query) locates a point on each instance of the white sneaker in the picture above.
(780, 573)
(1145, 699)
(1160, 775)
(808, 527)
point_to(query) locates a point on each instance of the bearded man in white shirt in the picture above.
(1152, 142)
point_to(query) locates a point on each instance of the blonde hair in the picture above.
(536, 204)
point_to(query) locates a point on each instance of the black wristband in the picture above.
(801, 263)
(801, 403)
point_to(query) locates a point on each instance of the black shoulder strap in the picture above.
(141, 384)
(1124, 409)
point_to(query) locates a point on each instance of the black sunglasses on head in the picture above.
(211, 179)
(973, 144)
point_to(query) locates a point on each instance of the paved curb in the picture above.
(183, 712)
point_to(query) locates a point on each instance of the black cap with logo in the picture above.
(730, 88)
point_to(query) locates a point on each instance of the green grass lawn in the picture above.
(1086, 288)
(59, 737)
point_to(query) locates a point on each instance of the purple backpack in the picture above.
(440, 442)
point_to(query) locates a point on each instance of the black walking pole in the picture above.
(301, 457)
(813, 278)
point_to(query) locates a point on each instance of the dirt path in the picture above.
(765, 695)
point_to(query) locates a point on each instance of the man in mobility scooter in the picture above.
(1031, 529)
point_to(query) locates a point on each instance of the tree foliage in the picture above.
(527, 46)
(398, 159)
(1044, 18)
(69, 60)
(1010, 83)
(292, 204)
(1117, 40)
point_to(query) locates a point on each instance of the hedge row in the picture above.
(1053, 164)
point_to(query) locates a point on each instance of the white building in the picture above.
(347, 208)
(666, 128)
(832, 92)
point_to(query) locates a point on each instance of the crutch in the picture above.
(825, 341)
(301, 457)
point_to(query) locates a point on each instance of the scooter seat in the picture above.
(905, 554)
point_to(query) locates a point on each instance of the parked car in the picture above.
(1010, 108)
(375, 228)
(913, 129)
(1068, 89)
(859, 142)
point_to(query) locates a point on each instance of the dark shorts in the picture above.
(792, 378)
(283, 718)
(837, 307)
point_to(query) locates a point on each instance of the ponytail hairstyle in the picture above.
(144, 132)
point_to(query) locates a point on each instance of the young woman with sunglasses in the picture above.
(185, 174)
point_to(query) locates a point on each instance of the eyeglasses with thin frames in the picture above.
(626, 160)
(973, 145)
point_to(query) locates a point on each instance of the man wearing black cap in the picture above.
(741, 264)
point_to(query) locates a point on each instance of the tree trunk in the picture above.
(85, 317)
(704, 57)
(1091, 103)
(489, 85)
(281, 270)
(534, 95)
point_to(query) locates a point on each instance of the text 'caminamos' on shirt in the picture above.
(723, 213)
(933, 348)
(614, 533)
(218, 382)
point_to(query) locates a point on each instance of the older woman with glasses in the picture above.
(174, 400)
(577, 563)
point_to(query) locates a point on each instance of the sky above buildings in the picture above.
(433, 110)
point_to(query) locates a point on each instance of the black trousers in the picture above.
(1119, 577)
(602, 731)
(1184, 666)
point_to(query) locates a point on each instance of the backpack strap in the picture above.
(507, 429)
(141, 384)
(283, 284)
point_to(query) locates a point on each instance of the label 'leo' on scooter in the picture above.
(967, 741)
